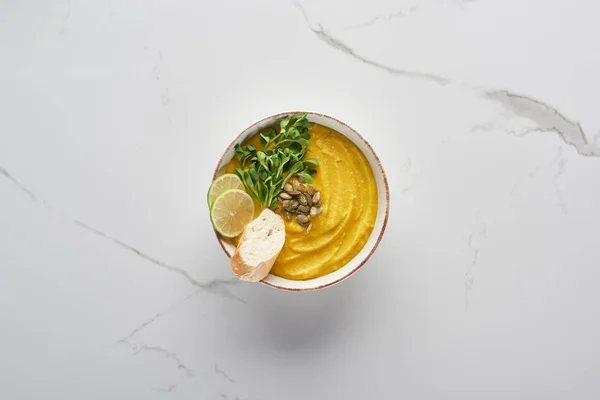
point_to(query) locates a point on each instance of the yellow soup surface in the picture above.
(349, 200)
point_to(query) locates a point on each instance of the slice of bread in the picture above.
(259, 246)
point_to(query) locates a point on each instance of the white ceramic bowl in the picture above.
(383, 209)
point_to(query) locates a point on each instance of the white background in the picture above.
(113, 115)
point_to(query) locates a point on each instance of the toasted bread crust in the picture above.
(246, 272)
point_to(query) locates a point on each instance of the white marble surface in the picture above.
(484, 113)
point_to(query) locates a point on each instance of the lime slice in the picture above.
(221, 184)
(231, 212)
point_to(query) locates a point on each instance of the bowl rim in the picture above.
(385, 183)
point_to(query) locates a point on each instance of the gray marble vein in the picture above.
(141, 327)
(562, 165)
(515, 191)
(341, 46)
(19, 185)
(404, 12)
(226, 397)
(222, 373)
(215, 286)
(166, 390)
(166, 353)
(384, 17)
(161, 314)
(475, 250)
(476, 235)
(406, 187)
(164, 95)
(65, 20)
(548, 118)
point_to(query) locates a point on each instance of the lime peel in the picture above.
(221, 184)
(231, 211)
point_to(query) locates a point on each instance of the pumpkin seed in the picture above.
(294, 204)
(302, 219)
(284, 196)
(294, 192)
(288, 188)
(311, 190)
(301, 179)
(301, 188)
(304, 209)
(302, 199)
(286, 204)
(295, 183)
(309, 228)
(287, 215)
(319, 210)
(316, 198)
(308, 200)
(313, 211)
